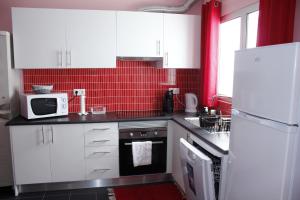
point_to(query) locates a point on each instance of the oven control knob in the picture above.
(131, 134)
(155, 133)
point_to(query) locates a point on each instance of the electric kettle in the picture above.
(191, 103)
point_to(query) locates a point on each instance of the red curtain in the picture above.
(211, 14)
(276, 22)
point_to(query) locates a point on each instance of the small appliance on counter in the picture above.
(168, 102)
(42, 89)
(191, 103)
(35, 106)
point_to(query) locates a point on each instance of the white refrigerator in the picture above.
(9, 96)
(264, 156)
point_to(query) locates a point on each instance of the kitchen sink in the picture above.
(212, 124)
(193, 120)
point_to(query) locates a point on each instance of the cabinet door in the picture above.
(181, 41)
(31, 154)
(67, 152)
(178, 132)
(39, 37)
(139, 34)
(91, 39)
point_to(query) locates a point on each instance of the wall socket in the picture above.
(79, 92)
(175, 90)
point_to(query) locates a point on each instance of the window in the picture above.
(252, 24)
(237, 31)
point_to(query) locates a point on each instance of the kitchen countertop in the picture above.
(220, 142)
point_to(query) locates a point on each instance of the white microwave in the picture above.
(35, 106)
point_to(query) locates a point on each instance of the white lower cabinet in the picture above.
(101, 151)
(178, 132)
(67, 152)
(59, 153)
(47, 153)
(31, 154)
(102, 168)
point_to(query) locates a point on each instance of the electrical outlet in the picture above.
(175, 90)
(79, 92)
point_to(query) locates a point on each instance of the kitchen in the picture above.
(129, 82)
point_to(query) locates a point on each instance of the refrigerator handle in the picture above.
(267, 122)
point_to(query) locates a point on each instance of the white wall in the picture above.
(229, 6)
(297, 22)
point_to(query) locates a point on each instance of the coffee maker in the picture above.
(168, 102)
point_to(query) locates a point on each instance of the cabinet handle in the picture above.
(69, 58)
(52, 134)
(103, 170)
(166, 58)
(158, 47)
(96, 141)
(102, 152)
(43, 135)
(100, 129)
(60, 58)
(157, 142)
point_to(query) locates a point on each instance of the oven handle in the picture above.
(156, 142)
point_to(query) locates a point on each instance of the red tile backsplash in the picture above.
(132, 86)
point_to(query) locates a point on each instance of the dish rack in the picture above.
(215, 123)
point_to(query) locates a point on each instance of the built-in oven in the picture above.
(154, 131)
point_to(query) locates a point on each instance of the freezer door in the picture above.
(197, 173)
(267, 82)
(260, 159)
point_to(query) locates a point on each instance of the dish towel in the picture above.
(142, 153)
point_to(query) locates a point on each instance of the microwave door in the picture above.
(197, 173)
(44, 106)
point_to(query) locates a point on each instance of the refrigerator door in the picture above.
(197, 173)
(267, 82)
(260, 160)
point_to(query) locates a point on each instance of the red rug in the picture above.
(165, 191)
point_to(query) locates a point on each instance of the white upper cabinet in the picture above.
(139, 34)
(39, 37)
(56, 38)
(91, 39)
(182, 41)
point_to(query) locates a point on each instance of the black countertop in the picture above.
(220, 142)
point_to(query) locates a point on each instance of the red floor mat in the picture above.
(166, 191)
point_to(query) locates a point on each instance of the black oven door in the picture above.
(43, 106)
(159, 157)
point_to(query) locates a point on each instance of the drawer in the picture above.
(101, 134)
(101, 128)
(102, 152)
(95, 140)
(102, 168)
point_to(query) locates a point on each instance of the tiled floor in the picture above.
(80, 194)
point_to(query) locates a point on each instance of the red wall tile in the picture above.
(132, 86)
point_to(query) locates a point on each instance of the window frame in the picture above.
(243, 14)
